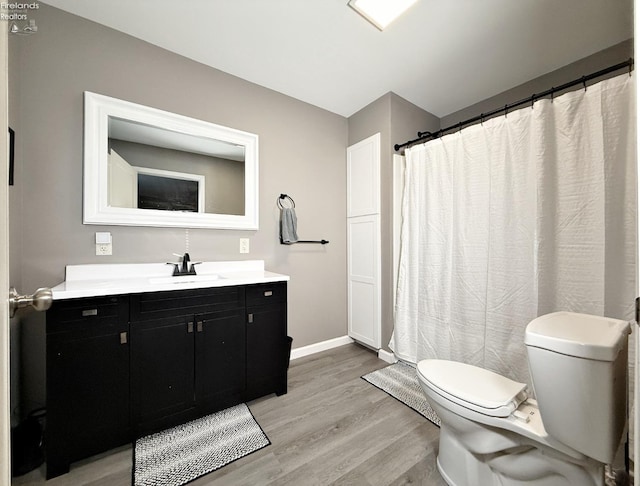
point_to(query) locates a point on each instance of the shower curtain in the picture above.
(525, 214)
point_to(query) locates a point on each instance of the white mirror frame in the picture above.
(98, 109)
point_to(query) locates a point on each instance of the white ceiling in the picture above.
(441, 55)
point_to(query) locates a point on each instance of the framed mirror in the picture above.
(148, 167)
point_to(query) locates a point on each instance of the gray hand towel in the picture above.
(288, 226)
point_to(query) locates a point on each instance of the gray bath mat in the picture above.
(181, 454)
(400, 381)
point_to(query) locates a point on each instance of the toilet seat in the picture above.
(469, 381)
(471, 387)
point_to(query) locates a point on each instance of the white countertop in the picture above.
(134, 278)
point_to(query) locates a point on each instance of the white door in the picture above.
(5, 425)
(363, 282)
(42, 298)
(363, 177)
(363, 242)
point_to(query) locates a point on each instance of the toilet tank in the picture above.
(578, 365)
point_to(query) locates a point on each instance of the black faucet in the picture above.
(185, 264)
(184, 268)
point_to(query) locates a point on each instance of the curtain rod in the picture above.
(425, 136)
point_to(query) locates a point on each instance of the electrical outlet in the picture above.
(103, 243)
(244, 245)
(103, 249)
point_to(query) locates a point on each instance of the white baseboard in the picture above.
(387, 356)
(334, 343)
(321, 346)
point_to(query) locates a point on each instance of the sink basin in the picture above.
(185, 279)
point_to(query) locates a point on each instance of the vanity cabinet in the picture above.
(120, 367)
(87, 379)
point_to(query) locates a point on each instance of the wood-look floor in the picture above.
(332, 427)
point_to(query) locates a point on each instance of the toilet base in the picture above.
(458, 466)
(443, 473)
(522, 465)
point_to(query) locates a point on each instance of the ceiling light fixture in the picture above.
(381, 12)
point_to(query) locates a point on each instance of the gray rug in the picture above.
(181, 454)
(400, 381)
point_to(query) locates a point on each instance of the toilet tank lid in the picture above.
(579, 335)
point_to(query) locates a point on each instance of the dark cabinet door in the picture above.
(187, 355)
(162, 372)
(87, 380)
(220, 359)
(266, 350)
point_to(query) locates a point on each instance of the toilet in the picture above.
(494, 433)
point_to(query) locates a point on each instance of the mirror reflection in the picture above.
(153, 168)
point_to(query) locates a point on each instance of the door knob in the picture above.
(40, 300)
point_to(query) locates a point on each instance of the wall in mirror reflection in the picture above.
(176, 180)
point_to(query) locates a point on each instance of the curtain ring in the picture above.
(506, 110)
(533, 99)
(584, 82)
(553, 90)
(481, 118)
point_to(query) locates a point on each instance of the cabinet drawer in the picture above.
(264, 294)
(174, 303)
(90, 313)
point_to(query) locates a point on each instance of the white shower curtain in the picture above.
(522, 215)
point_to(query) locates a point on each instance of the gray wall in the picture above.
(600, 60)
(302, 153)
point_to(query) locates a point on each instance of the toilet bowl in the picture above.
(494, 433)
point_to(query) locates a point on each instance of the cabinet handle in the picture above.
(250, 318)
(268, 293)
(199, 326)
(123, 337)
(89, 312)
(190, 327)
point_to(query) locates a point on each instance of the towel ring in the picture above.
(285, 197)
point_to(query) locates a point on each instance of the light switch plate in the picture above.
(244, 245)
(103, 238)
